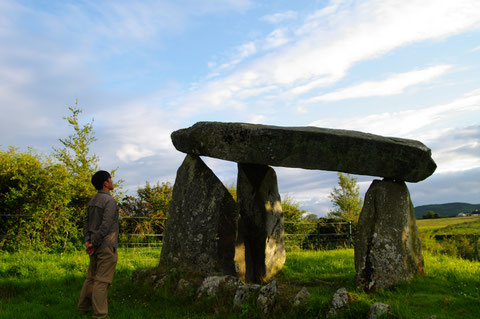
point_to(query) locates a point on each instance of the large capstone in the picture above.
(260, 243)
(387, 246)
(309, 147)
(201, 226)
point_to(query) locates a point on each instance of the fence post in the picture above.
(349, 234)
(475, 242)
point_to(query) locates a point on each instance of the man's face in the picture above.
(109, 184)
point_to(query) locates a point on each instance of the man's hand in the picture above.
(89, 248)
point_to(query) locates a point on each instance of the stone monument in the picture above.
(209, 232)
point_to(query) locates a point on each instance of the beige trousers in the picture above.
(99, 277)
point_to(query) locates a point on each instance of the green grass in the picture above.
(47, 286)
(452, 226)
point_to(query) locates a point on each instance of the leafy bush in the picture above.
(460, 246)
(36, 188)
(50, 193)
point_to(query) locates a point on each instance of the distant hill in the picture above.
(446, 210)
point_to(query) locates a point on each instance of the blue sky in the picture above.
(142, 69)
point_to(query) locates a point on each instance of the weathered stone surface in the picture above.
(301, 297)
(201, 226)
(243, 294)
(387, 246)
(214, 285)
(339, 301)
(160, 283)
(267, 297)
(260, 244)
(309, 147)
(379, 310)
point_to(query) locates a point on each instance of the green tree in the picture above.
(346, 199)
(75, 155)
(431, 214)
(292, 214)
(148, 209)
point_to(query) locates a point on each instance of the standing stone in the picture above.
(260, 244)
(201, 225)
(387, 246)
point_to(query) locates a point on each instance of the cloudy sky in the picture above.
(142, 69)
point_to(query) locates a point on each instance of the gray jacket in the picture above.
(100, 226)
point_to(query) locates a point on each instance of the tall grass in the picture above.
(33, 285)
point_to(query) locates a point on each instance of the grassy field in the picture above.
(452, 226)
(47, 286)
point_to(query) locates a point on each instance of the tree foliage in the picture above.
(292, 214)
(147, 210)
(38, 189)
(75, 156)
(431, 214)
(346, 199)
(50, 192)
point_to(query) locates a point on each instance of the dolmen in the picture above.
(210, 233)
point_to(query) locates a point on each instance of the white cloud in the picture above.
(331, 41)
(276, 39)
(241, 53)
(132, 152)
(258, 119)
(409, 123)
(280, 17)
(454, 148)
(139, 128)
(394, 84)
(476, 49)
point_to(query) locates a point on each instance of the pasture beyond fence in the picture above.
(303, 235)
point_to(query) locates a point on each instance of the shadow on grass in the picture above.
(30, 297)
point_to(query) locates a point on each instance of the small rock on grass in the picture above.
(340, 300)
(301, 298)
(213, 285)
(379, 310)
(139, 275)
(267, 297)
(160, 283)
(243, 294)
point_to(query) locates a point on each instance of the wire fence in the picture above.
(138, 242)
(303, 235)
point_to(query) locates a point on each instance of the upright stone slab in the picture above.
(387, 246)
(201, 226)
(260, 243)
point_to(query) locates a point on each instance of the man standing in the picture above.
(100, 229)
